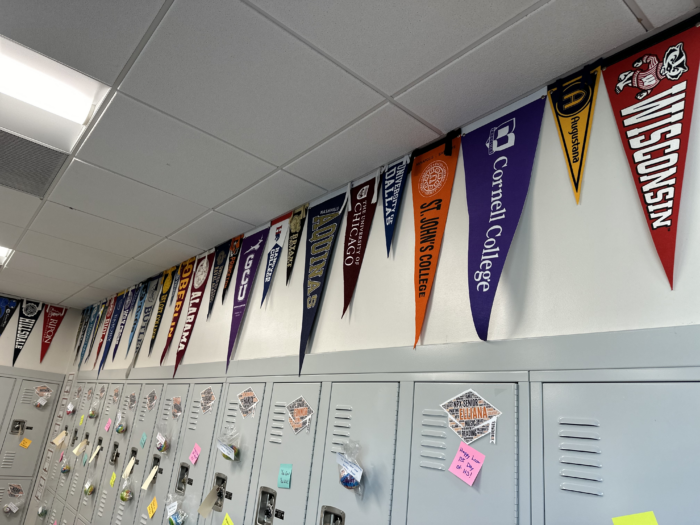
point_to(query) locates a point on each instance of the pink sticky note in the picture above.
(467, 463)
(109, 424)
(194, 455)
(61, 458)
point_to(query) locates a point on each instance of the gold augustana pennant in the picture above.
(573, 102)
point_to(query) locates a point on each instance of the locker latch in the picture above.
(183, 478)
(267, 499)
(75, 437)
(87, 438)
(134, 451)
(332, 516)
(220, 483)
(156, 463)
(18, 426)
(115, 454)
(99, 444)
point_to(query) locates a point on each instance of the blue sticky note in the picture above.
(143, 439)
(85, 458)
(285, 476)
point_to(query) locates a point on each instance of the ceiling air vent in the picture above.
(27, 166)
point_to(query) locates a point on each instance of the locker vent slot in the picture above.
(27, 396)
(430, 423)
(279, 411)
(580, 435)
(53, 516)
(277, 425)
(433, 418)
(580, 488)
(276, 440)
(280, 404)
(579, 440)
(120, 513)
(431, 454)
(231, 412)
(342, 424)
(277, 418)
(142, 412)
(582, 421)
(576, 447)
(144, 520)
(74, 485)
(580, 461)
(103, 502)
(433, 412)
(343, 433)
(428, 464)
(194, 415)
(8, 460)
(433, 444)
(276, 433)
(580, 475)
(342, 416)
(2, 494)
(168, 405)
(434, 433)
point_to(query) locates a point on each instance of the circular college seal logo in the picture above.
(433, 178)
(220, 258)
(201, 273)
(30, 309)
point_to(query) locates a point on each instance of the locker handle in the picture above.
(75, 437)
(115, 454)
(134, 451)
(99, 445)
(87, 438)
(220, 482)
(18, 426)
(332, 516)
(265, 514)
(156, 463)
(183, 478)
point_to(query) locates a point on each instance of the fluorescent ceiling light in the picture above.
(5, 254)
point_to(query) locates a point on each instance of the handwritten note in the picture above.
(82, 418)
(227, 520)
(112, 479)
(351, 468)
(25, 443)
(171, 509)
(143, 439)
(109, 424)
(467, 463)
(644, 518)
(152, 507)
(284, 478)
(194, 455)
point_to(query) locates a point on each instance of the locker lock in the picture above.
(87, 438)
(267, 499)
(183, 478)
(332, 516)
(220, 483)
(75, 437)
(18, 426)
(115, 454)
(156, 463)
(134, 451)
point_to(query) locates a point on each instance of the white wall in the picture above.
(571, 269)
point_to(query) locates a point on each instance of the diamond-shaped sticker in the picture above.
(247, 401)
(471, 416)
(299, 414)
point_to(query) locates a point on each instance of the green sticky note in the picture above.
(82, 418)
(85, 458)
(143, 439)
(285, 476)
(644, 518)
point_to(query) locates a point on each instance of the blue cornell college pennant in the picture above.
(321, 234)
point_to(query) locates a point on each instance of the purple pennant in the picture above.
(498, 159)
(249, 259)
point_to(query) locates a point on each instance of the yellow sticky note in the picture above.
(644, 518)
(152, 507)
(82, 418)
(227, 520)
(112, 479)
(25, 443)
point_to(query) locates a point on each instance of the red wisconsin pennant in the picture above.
(53, 317)
(652, 94)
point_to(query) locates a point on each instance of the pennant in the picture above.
(363, 203)
(432, 179)
(100, 320)
(395, 176)
(234, 251)
(148, 307)
(79, 334)
(140, 300)
(94, 309)
(164, 293)
(118, 306)
(53, 317)
(498, 159)
(220, 253)
(199, 285)
(128, 304)
(251, 254)
(105, 327)
(7, 309)
(324, 221)
(185, 273)
(652, 95)
(275, 241)
(176, 284)
(28, 316)
(296, 225)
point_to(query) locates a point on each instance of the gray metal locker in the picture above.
(149, 410)
(40, 497)
(98, 508)
(26, 422)
(7, 385)
(435, 494)
(283, 445)
(91, 428)
(112, 402)
(77, 435)
(54, 474)
(189, 480)
(68, 517)
(364, 412)
(5, 498)
(600, 440)
(175, 400)
(56, 511)
(237, 473)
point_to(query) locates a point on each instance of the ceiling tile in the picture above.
(96, 38)
(212, 229)
(112, 283)
(76, 302)
(82, 228)
(9, 235)
(27, 291)
(93, 190)
(41, 282)
(69, 252)
(271, 198)
(382, 136)
(136, 271)
(521, 59)
(17, 208)
(392, 43)
(149, 146)
(53, 269)
(231, 72)
(87, 296)
(168, 253)
(660, 12)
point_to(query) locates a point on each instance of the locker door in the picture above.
(5, 498)
(160, 486)
(68, 517)
(55, 512)
(26, 422)
(7, 385)
(613, 449)
(54, 474)
(282, 445)
(435, 495)
(102, 501)
(113, 400)
(41, 497)
(91, 428)
(125, 511)
(65, 481)
(188, 480)
(364, 412)
(237, 473)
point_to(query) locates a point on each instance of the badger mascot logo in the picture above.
(672, 67)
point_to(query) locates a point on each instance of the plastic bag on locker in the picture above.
(174, 510)
(94, 409)
(43, 510)
(164, 437)
(89, 487)
(41, 401)
(72, 407)
(229, 442)
(14, 505)
(126, 493)
(350, 470)
(65, 466)
(120, 422)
